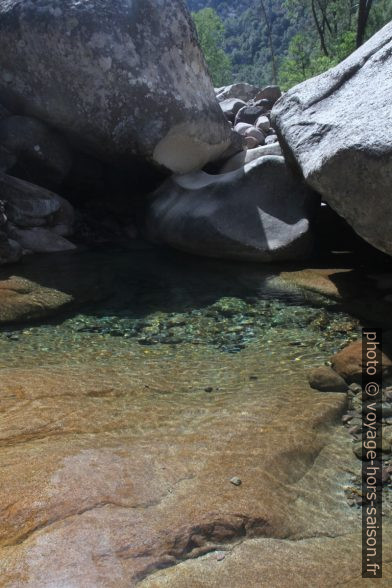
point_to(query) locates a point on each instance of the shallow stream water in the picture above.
(169, 306)
(128, 417)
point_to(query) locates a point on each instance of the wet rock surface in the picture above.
(115, 494)
(325, 379)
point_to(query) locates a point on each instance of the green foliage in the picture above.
(308, 37)
(379, 16)
(246, 39)
(304, 62)
(211, 33)
(330, 35)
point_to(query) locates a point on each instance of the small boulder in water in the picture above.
(325, 379)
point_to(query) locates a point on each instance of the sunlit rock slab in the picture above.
(111, 472)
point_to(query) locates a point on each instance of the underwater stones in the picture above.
(325, 379)
(125, 81)
(358, 448)
(260, 212)
(229, 307)
(23, 299)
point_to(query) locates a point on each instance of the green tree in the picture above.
(304, 62)
(211, 33)
(332, 30)
(379, 16)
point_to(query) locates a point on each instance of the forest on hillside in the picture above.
(282, 41)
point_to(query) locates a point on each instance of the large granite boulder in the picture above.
(260, 212)
(121, 79)
(337, 128)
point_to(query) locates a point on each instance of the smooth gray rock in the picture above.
(28, 205)
(249, 114)
(248, 130)
(256, 134)
(230, 107)
(270, 93)
(260, 212)
(240, 159)
(237, 145)
(242, 127)
(263, 123)
(40, 240)
(271, 139)
(241, 91)
(337, 128)
(39, 152)
(125, 80)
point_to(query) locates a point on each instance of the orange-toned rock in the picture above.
(46, 285)
(326, 379)
(112, 471)
(348, 362)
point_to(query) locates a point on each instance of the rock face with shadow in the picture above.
(33, 219)
(260, 212)
(124, 80)
(337, 129)
(40, 155)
